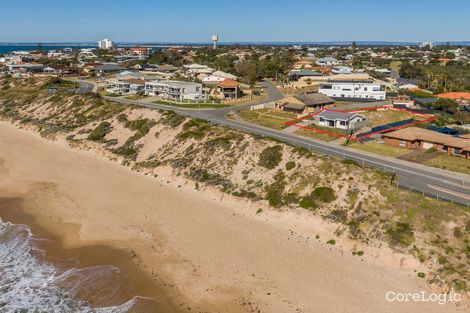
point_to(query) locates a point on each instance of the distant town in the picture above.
(408, 97)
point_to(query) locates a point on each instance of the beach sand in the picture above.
(202, 251)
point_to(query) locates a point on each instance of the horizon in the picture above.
(264, 22)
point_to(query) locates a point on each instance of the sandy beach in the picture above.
(198, 250)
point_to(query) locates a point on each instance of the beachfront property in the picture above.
(353, 89)
(25, 67)
(130, 86)
(230, 89)
(423, 139)
(340, 120)
(175, 90)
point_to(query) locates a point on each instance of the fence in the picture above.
(383, 128)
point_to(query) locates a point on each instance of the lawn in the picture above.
(268, 118)
(450, 163)
(381, 149)
(377, 118)
(193, 105)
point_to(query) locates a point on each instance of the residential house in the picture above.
(341, 70)
(175, 90)
(340, 120)
(25, 67)
(315, 101)
(353, 90)
(141, 52)
(328, 61)
(230, 89)
(126, 87)
(298, 74)
(420, 138)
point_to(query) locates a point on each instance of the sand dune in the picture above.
(206, 250)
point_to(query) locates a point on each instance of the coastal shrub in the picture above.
(421, 275)
(275, 191)
(431, 150)
(324, 194)
(400, 234)
(194, 129)
(307, 203)
(290, 165)
(270, 157)
(100, 131)
(331, 242)
(350, 162)
(338, 215)
(170, 118)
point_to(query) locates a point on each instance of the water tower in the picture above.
(214, 39)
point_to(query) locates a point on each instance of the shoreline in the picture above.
(136, 283)
(212, 249)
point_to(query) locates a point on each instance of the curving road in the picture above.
(429, 181)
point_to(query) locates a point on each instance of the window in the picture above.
(445, 148)
(402, 143)
(457, 151)
(343, 123)
(327, 87)
(365, 88)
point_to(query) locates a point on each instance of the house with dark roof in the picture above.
(340, 120)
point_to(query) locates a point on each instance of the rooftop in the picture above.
(416, 133)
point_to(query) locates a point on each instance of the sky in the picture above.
(234, 20)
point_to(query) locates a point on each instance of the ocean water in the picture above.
(28, 283)
(5, 49)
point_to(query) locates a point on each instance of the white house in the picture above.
(175, 90)
(341, 70)
(351, 89)
(341, 120)
(328, 61)
(126, 86)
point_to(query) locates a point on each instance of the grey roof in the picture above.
(109, 67)
(335, 115)
(314, 99)
(294, 106)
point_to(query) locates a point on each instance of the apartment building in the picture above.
(126, 87)
(353, 89)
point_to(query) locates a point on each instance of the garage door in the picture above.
(427, 145)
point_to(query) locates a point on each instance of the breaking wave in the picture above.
(28, 283)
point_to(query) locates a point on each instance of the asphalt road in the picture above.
(84, 87)
(430, 181)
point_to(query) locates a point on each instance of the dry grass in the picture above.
(381, 149)
(450, 163)
(268, 118)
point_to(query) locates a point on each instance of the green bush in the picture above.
(290, 165)
(421, 275)
(401, 234)
(270, 157)
(331, 242)
(431, 150)
(100, 131)
(307, 203)
(275, 191)
(324, 194)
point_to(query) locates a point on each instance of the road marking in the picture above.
(451, 192)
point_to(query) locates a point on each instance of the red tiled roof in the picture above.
(455, 95)
(228, 83)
